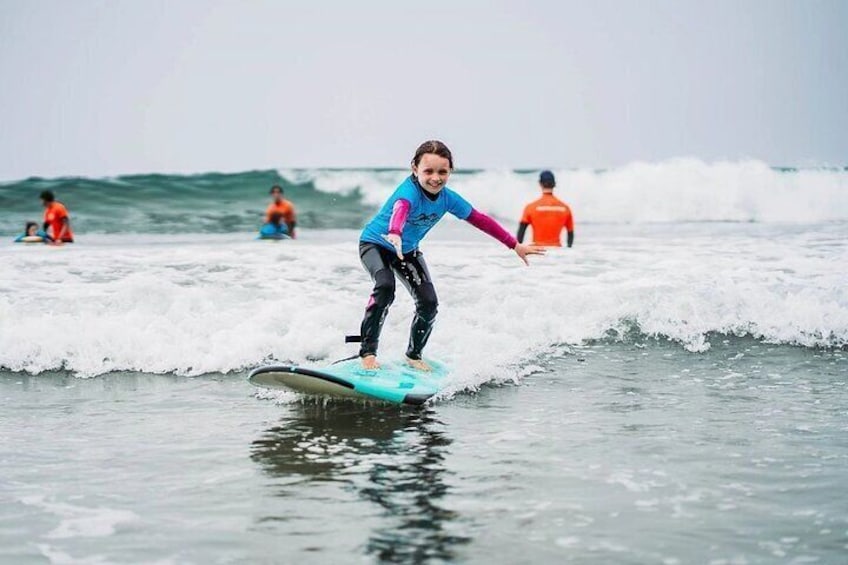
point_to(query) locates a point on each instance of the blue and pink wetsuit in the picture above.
(410, 213)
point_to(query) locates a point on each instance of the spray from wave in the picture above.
(679, 190)
(199, 307)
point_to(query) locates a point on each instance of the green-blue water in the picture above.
(175, 204)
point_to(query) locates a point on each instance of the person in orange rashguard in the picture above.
(547, 216)
(57, 219)
(280, 209)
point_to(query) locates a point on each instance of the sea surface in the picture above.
(673, 389)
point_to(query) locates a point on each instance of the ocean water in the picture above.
(670, 390)
(679, 190)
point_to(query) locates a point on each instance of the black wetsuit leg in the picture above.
(382, 265)
(377, 261)
(415, 276)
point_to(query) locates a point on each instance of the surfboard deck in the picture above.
(394, 382)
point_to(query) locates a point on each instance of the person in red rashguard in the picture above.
(56, 218)
(281, 209)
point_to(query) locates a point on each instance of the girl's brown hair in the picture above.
(436, 148)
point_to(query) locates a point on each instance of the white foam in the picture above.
(677, 190)
(58, 557)
(217, 306)
(375, 186)
(81, 521)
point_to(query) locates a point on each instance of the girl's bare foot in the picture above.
(418, 364)
(370, 362)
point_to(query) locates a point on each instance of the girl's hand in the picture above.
(395, 240)
(524, 250)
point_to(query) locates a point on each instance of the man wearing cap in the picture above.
(547, 216)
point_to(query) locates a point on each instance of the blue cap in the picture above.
(546, 179)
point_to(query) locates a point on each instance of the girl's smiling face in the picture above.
(432, 172)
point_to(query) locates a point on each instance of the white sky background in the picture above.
(109, 87)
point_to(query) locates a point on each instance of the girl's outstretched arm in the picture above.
(489, 226)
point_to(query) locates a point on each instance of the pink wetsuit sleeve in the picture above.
(400, 211)
(487, 225)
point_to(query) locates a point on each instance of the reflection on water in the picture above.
(391, 457)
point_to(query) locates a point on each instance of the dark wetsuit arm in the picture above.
(570, 238)
(522, 228)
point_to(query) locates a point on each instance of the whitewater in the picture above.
(676, 190)
(224, 303)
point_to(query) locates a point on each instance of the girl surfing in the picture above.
(388, 247)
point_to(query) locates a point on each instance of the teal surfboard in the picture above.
(392, 382)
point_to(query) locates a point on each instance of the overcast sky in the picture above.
(110, 87)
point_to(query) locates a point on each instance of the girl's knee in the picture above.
(427, 304)
(384, 288)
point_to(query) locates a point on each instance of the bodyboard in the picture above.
(30, 239)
